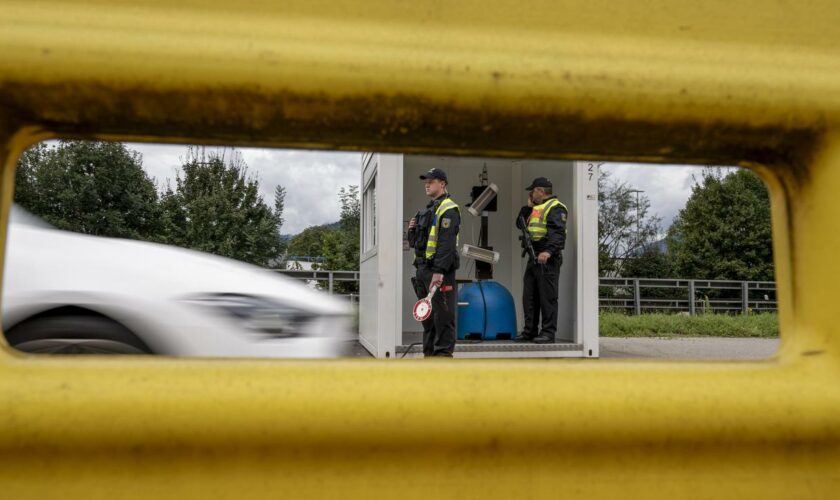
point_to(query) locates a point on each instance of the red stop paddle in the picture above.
(423, 307)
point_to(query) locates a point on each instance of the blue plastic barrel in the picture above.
(488, 313)
(501, 312)
(471, 315)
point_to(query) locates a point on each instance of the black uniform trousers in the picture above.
(439, 328)
(539, 298)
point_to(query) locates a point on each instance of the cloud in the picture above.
(160, 161)
(666, 186)
(312, 178)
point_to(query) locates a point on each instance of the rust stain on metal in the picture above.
(401, 123)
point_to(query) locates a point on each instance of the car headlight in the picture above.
(258, 314)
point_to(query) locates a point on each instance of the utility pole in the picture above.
(638, 219)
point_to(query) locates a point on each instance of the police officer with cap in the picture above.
(545, 219)
(433, 233)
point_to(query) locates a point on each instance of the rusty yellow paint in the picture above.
(742, 81)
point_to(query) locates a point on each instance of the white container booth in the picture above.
(392, 193)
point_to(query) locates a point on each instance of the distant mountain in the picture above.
(660, 246)
(332, 226)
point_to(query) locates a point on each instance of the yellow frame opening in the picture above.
(738, 82)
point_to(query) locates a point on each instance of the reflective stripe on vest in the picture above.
(431, 245)
(537, 222)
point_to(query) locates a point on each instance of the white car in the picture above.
(65, 292)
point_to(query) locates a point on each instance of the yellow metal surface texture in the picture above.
(734, 82)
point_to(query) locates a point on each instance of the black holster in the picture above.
(419, 288)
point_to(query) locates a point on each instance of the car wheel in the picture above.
(74, 335)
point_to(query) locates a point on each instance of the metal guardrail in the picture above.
(628, 296)
(330, 277)
(634, 300)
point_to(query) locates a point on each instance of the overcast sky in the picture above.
(312, 180)
(666, 186)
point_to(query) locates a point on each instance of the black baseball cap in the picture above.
(539, 182)
(435, 173)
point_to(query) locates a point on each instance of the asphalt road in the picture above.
(688, 347)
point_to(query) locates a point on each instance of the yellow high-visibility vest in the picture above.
(537, 222)
(431, 246)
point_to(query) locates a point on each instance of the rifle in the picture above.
(525, 238)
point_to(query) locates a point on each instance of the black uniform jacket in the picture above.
(446, 256)
(555, 240)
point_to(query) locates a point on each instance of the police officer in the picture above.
(545, 219)
(433, 233)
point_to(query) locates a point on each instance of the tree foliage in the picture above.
(724, 230)
(310, 242)
(343, 252)
(279, 208)
(625, 226)
(216, 207)
(336, 244)
(651, 263)
(91, 187)
(279, 205)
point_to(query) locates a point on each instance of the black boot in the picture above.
(543, 339)
(523, 338)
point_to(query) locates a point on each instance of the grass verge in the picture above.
(764, 325)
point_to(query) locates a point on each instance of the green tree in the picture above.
(343, 252)
(279, 207)
(26, 183)
(625, 226)
(336, 244)
(216, 207)
(310, 242)
(90, 187)
(724, 230)
(650, 263)
(351, 210)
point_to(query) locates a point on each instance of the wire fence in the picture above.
(628, 295)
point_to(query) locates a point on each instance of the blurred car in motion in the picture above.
(66, 293)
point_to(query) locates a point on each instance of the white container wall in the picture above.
(386, 324)
(380, 251)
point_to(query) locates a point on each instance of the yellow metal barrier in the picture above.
(744, 82)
